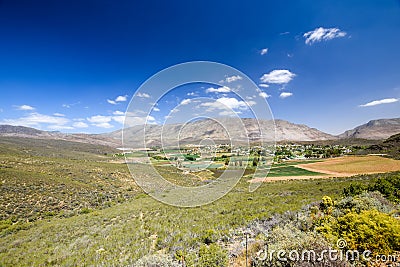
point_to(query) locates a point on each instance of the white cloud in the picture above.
(138, 120)
(223, 89)
(278, 77)
(105, 125)
(36, 119)
(25, 107)
(105, 121)
(59, 114)
(70, 105)
(186, 101)
(191, 94)
(99, 119)
(156, 109)
(228, 113)
(251, 103)
(285, 95)
(119, 119)
(264, 85)
(121, 98)
(80, 124)
(227, 103)
(264, 51)
(323, 34)
(143, 95)
(59, 127)
(233, 78)
(380, 102)
(264, 95)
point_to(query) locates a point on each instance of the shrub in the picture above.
(388, 185)
(326, 204)
(364, 201)
(212, 256)
(368, 230)
(289, 238)
(156, 260)
(209, 237)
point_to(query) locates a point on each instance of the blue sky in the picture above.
(73, 66)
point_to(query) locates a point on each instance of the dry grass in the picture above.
(351, 165)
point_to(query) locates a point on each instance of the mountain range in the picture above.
(219, 130)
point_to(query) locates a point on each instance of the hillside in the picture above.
(390, 146)
(374, 129)
(28, 132)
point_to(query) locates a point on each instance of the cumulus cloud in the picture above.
(380, 102)
(143, 95)
(99, 119)
(278, 77)
(264, 95)
(186, 101)
(285, 95)
(233, 78)
(323, 34)
(156, 109)
(119, 119)
(228, 113)
(264, 85)
(80, 124)
(105, 125)
(223, 89)
(36, 119)
(25, 107)
(139, 120)
(117, 112)
(228, 103)
(264, 51)
(121, 98)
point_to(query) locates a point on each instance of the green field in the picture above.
(289, 170)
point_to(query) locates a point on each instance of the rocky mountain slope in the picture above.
(221, 131)
(374, 129)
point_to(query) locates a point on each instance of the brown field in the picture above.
(352, 165)
(341, 167)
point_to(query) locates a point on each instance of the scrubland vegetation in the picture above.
(57, 209)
